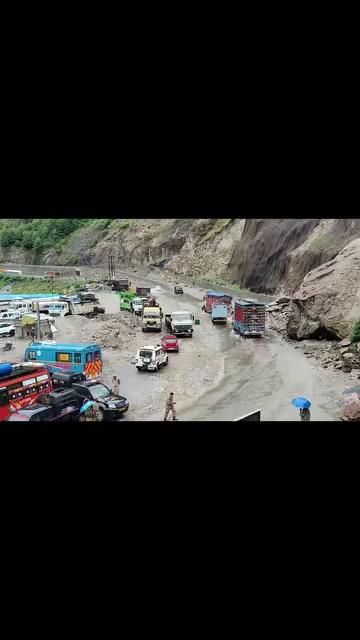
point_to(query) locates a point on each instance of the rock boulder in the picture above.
(328, 300)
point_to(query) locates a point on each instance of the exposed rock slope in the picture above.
(328, 300)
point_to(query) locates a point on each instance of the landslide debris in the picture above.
(117, 331)
(328, 300)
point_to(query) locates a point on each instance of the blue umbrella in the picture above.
(301, 403)
(86, 406)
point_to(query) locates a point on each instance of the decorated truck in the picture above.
(249, 317)
(216, 297)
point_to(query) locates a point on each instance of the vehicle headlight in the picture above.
(112, 405)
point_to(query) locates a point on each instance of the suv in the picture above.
(151, 358)
(6, 329)
(111, 405)
(178, 289)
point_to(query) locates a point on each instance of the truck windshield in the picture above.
(182, 317)
(99, 391)
(151, 314)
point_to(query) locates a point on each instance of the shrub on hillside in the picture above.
(355, 334)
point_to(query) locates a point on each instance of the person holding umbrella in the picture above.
(304, 405)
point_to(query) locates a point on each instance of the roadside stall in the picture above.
(23, 327)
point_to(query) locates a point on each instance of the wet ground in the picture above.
(216, 375)
(220, 376)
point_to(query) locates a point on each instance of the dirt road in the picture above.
(220, 376)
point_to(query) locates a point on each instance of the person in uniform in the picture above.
(169, 406)
(116, 386)
(305, 415)
(93, 414)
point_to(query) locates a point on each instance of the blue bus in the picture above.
(73, 358)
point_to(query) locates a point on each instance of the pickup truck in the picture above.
(58, 406)
(181, 323)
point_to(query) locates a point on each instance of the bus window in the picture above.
(89, 357)
(63, 357)
(31, 355)
(96, 355)
(77, 358)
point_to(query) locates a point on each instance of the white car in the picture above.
(6, 330)
(151, 358)
(10, 315)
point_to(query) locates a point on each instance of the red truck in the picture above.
(216, 297)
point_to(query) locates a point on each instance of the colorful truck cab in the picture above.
(216, 297)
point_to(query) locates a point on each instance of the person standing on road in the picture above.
(33, 334)
(169, 406)
(116, 386)
(305, 415)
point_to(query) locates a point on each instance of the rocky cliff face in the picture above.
(276, 254)
(328, 300)
(265, 255)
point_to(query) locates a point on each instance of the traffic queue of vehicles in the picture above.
(55, 380)
(248, 315)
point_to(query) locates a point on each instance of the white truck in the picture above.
(151, 358)
(181, 323)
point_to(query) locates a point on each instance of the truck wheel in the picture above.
(190, 336)
(166, 362)
(139, 369)
(142, 329)
(12, 333)
(157, 366)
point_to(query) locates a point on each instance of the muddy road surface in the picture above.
(220, 376)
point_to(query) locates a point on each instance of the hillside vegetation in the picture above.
(263, 255)
(39, 234)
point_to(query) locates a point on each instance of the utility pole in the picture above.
(111, 266)
(38, 321)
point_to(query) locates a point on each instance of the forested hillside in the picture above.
(37, 235)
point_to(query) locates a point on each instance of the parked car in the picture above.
(10, 315)
(6, 330)
(111, 405)
(178, 289)
(151, 358)
(170, 343)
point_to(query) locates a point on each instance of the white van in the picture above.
(24, 306)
